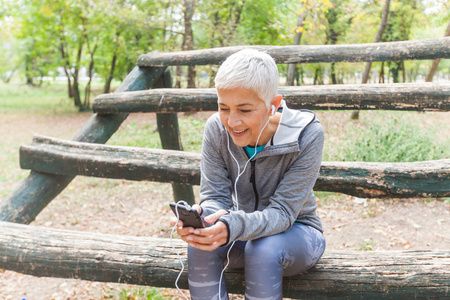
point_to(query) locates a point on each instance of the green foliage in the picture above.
(383, 138)
(111, 34)
(402, 14)
(339, 18)
(367, 245)
(136, 293)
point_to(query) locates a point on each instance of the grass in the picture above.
(136, 135)
(21, 98)
(147, 136)
(135, 293)
(50, 98)
(326, 198)
(367, 245)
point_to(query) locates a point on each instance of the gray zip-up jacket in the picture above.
(276, 188)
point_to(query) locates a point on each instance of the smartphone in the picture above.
(189, 216)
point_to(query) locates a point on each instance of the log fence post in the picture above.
(169, 134)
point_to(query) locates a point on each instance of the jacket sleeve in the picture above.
(215, 184)
(293, 196)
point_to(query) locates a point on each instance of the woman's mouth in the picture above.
(239, 132)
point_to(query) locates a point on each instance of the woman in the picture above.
(260, 161)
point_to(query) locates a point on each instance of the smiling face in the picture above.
(244, 114)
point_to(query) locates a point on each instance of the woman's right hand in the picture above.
(182, 231)
(208, 238)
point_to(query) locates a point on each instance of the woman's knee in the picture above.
(265, 250)
(295, 251)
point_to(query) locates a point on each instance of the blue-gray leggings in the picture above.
(266, 261)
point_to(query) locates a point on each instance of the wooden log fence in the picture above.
(361, 179)
(46, 252)
(370, 52)
(399, 96)
(36, 191)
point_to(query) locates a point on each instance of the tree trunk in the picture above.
(237, 18)
(333, 73)
(297, 38)
(110, 75)
(65, 58)
(8, 78)
(41, 78)
(394, 68)
(403, 71)
(188, 38)
(381, 73)
(435, 64)
(178, 73)
(87, 90)
(318, 75)
(383, 23)
(76, 87)
(212, 38)
(28, 75)
(300, 76)
(384, 18)
(87, 93)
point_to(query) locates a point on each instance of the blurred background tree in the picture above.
(82, 40)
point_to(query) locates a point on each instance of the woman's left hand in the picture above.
(209, 238)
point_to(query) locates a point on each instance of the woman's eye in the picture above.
(245, 111)
(223, 109)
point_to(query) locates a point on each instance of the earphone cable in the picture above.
(176, 251)
(236, 200)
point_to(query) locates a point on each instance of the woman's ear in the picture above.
(276, 101)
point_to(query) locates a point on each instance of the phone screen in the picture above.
(189, 216)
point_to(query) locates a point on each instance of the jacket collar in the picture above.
(286, 138)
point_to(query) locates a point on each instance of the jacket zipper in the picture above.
(253, 181)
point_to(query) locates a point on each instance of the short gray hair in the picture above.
(250, 69)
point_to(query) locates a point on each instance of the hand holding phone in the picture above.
(189, 215)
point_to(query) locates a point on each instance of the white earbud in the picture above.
(273, 110)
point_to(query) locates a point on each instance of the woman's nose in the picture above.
(234, 119)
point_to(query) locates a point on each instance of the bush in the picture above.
(387, 139)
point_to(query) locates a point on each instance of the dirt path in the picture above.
(125, 207)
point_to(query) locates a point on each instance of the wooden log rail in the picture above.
(399, 96)
(46, 252)
(371, 52)
(361, 179)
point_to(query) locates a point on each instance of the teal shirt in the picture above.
(251, 151)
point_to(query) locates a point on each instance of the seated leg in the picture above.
(270, 258)
(205, 269)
